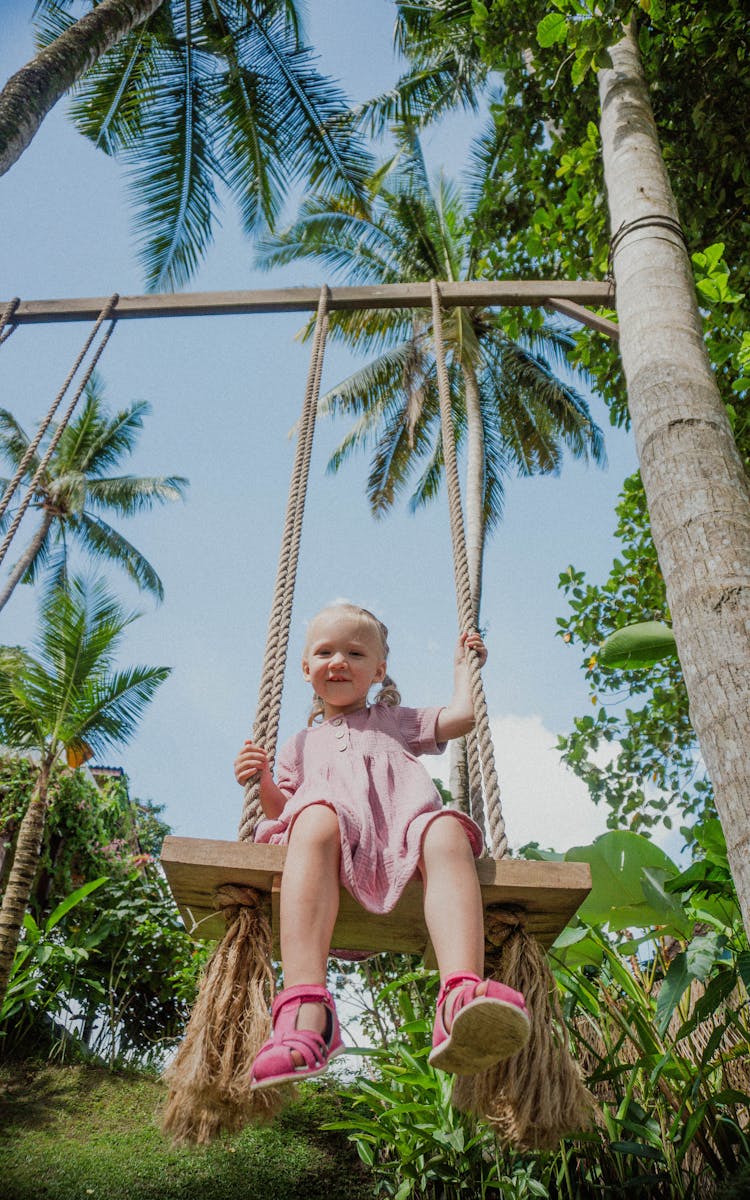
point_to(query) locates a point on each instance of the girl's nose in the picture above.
(338, 657)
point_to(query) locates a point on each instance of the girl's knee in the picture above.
(316, 825)
(446, 835)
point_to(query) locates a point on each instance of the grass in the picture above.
(70, 1133)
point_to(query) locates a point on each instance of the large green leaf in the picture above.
(628, 873)
(639, 645)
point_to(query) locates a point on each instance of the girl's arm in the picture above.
(458, 718)
(253, 760)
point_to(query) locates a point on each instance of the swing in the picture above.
(230, 890)
(548, 893)
(219, 883)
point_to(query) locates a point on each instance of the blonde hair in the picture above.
(389, 693)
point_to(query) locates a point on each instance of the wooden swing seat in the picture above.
(548, 892)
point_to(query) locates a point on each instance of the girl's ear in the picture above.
(305, 668)
(380, 674)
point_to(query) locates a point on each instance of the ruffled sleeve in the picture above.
(417, 728)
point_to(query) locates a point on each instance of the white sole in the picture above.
(483, 1033)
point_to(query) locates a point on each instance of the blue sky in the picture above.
(224, 394)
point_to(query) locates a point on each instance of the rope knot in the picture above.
(230, 899)
(502, 921)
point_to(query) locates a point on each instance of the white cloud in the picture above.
(543, 801)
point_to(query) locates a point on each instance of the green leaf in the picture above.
(639, 645)
(552, 29)
(617, 898)
(70, 901)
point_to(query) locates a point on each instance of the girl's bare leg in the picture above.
(452, 900)
(309, 905)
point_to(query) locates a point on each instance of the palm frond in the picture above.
(14, 441)
(173, 168)
(316, 140)
(102, 541)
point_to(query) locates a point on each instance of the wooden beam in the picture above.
(550, 892)
(570, 309)
(503, 293)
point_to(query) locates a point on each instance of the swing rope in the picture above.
(466, 614)
(266, 727)
(8, 313)
(31, 449)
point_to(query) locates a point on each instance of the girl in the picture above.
(355, 807)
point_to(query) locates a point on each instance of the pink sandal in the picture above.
(273, 1062)
(485, 1028)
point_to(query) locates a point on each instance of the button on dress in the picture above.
(364, 765)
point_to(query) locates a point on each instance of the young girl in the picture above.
(354, 806)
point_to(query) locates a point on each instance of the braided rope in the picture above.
(7, 316)
(498, 839)
(265, 729)
(106, 311)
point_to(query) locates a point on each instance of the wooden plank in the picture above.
(550, 892)
(509, 292)
(570, 309)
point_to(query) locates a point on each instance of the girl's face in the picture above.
(342, 659)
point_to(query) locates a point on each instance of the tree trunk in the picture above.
(22, 874)
(25, 560)
(30, 94)
(696, 488)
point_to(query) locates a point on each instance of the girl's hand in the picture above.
(251, 760)
(471, 641)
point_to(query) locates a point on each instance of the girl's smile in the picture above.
(342, 660)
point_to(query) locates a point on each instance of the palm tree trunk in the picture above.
(696, 488)
(26, 559)
(30, 94)
(22, 874)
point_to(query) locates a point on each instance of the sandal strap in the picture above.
(454, 981)
(311, 993)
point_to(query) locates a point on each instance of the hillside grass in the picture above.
(70, 1133)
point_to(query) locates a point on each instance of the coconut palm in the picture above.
(76, 489)
(510, 409)
(204, 94)
(68, 699)
(514, 414)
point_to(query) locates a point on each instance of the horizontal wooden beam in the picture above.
(549, 892)
(503, 293)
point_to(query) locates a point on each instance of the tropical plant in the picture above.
(403, 1124)
(43, 968)
(655, 973)
(77, 488)
(69, 700)
(224, 92)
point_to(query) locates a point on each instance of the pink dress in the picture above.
(364, 766)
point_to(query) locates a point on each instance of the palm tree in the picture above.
(77, 488)
(693, 475)
(197, 94)
(30, 94)
(68, 700)
(512, 411)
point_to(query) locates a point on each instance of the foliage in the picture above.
(78, 1131)
(404, 1125)
(656, 974)
(201, 95)
(91, 829)
(77, 488)
(638, 757)
(44, 968)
